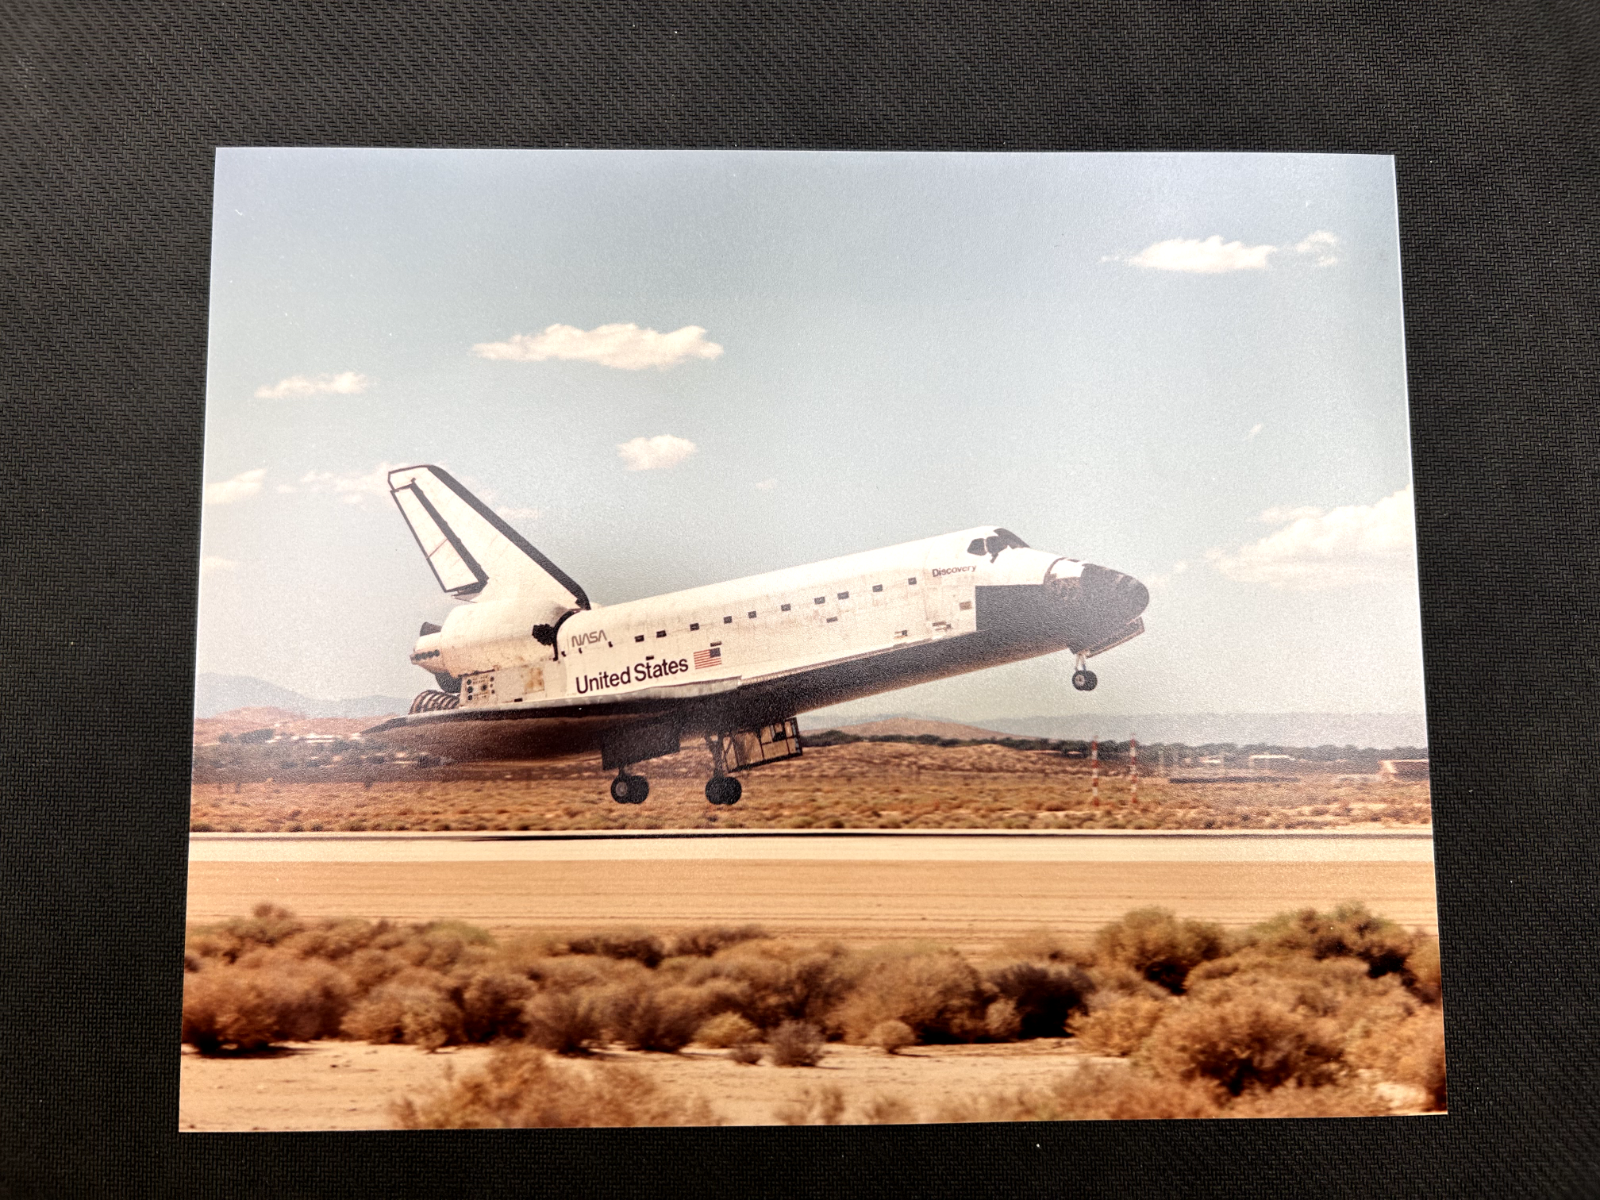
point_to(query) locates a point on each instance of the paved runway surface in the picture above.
(1098, 845)
(968, 889)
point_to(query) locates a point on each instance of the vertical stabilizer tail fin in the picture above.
(469, 546)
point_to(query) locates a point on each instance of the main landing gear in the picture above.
(629, 789)
(1082, 678)
(722, 788)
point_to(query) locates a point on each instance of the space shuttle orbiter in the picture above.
(527, 667)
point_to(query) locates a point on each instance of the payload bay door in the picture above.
(947, 597)
(764, 744)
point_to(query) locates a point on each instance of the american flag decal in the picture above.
(707, 658)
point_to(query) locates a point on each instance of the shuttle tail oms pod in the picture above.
(472, 551)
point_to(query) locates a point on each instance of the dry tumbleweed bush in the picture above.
(1303, 1014)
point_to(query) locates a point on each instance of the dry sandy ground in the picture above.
(331, 1085)
(865, 785)
(970, 904)
(350, 1085)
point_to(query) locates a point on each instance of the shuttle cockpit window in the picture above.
(1000, 539)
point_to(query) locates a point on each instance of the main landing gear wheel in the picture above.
(1084, 680)
(630, 789)
(724, 789)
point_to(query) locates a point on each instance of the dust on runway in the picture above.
(993, 890)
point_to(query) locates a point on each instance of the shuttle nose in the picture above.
(1112, 596)
(1098, 604)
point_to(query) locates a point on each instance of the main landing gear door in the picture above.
(638, 743)
(765, 743)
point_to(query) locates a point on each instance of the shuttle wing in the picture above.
(565, 725)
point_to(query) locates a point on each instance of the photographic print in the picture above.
(742, 637)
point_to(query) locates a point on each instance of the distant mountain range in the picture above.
(1364, 730)
(214, 694)
(915, 727)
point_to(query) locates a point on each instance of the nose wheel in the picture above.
(1082, 678)
(629, 789)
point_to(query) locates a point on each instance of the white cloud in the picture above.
(1254, 429)
(1331, 548)
(227, 491)
(653, 453)
(1282, 516)
(1209, 257)
(766, 485)
(350, 487)
(512, 513)
(346, 383)
(626, 347)
(1213, 256)
(1322, 244)
(210, 564)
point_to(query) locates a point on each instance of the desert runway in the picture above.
(968, 889)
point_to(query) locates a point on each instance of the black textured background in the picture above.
(109, 115)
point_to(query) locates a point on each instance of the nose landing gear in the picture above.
(1082, 678)
(629, 789)
(722, 788)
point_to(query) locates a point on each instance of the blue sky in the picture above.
(1189, 367)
